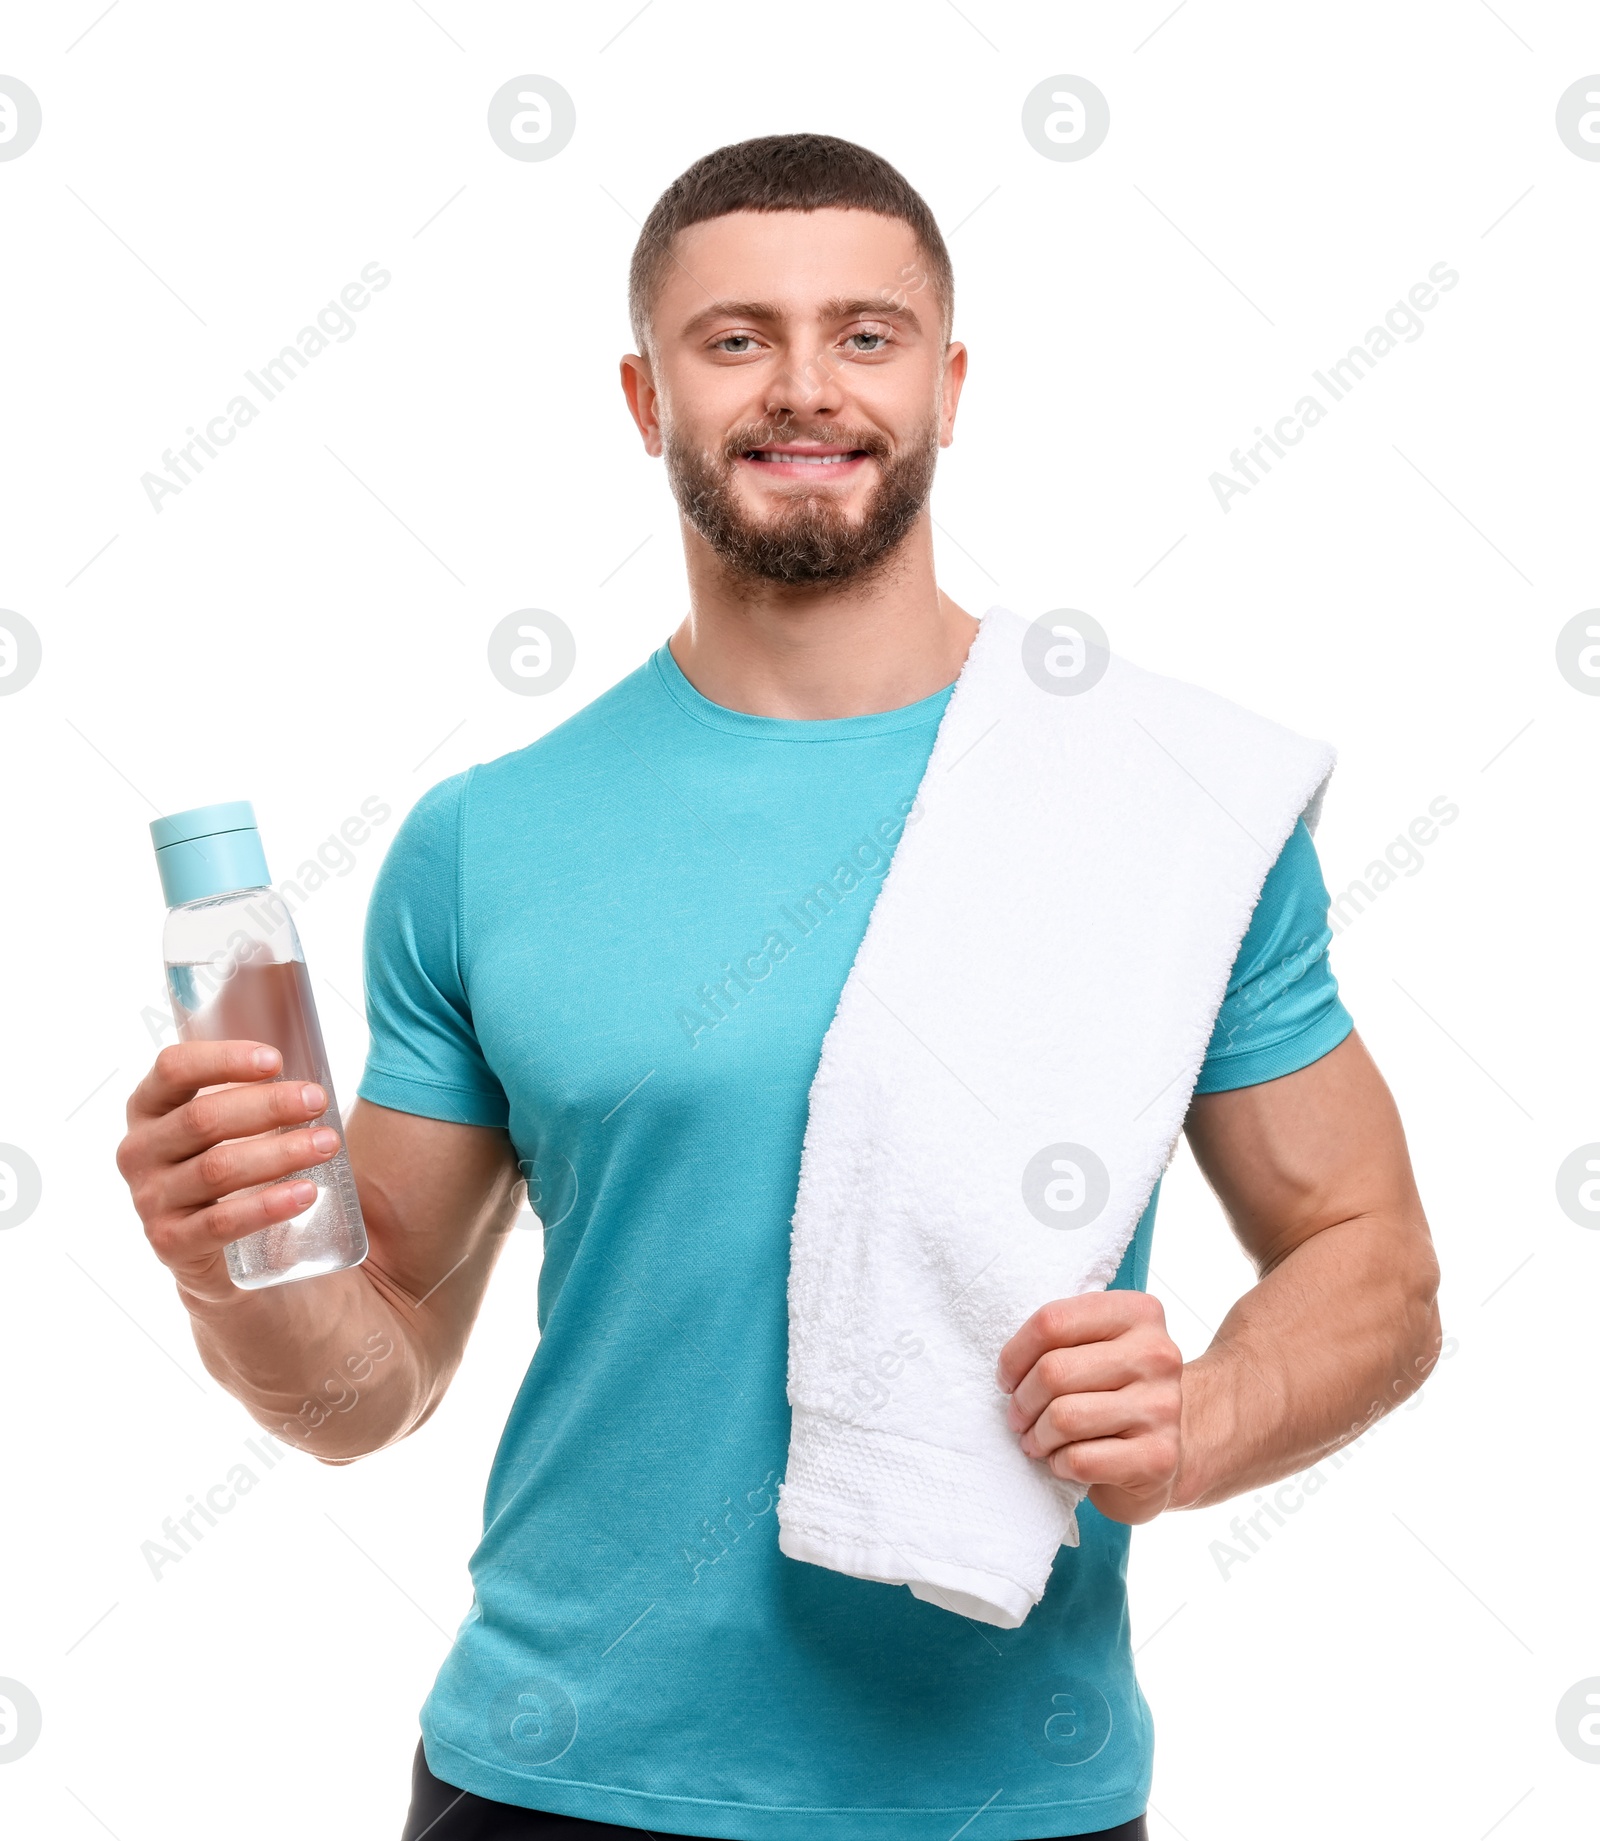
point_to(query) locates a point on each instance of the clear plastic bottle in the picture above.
(235, 971)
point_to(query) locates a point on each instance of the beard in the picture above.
(809, 540)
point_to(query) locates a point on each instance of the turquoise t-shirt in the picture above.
(613, 943)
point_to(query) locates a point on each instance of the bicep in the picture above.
(437, 1198)
(1292, 1156)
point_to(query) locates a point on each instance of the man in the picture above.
(602, 961)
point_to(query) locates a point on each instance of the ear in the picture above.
(955, 374)
(640, 390)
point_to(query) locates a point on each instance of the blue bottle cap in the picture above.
(209, 850)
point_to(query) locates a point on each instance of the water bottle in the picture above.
(235, 971)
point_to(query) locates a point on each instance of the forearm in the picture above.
(1342, 1330)
(339, 1365)
(349, 1362)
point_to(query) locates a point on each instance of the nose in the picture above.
(809, 387)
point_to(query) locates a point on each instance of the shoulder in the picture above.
(1097, 695)
(1290, 920)
(587, 741)
(425, 840)
(1216, 756)
(431, 832)
(1223, 732)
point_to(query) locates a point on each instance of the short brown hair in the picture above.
(783, 172)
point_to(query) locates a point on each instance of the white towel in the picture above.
(1003, 1082)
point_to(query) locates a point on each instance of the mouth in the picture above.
(807, 460)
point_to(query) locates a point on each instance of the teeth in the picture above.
(809, 460)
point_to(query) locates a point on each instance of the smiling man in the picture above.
(610, 960)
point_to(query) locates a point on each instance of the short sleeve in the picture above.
(1282, 1010)
(423, 1055)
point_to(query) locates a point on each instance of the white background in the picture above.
(305, 625)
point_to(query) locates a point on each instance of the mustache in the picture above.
(808, 540)
(829, 434)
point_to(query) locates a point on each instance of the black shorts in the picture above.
(441, 1812)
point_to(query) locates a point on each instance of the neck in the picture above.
(812, 652)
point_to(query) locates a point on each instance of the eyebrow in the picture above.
(840, 308)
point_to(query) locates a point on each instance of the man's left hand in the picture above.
(1096, 1387)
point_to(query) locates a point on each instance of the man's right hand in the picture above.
(206, 1167)
(346, 1363)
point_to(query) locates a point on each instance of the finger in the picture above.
(183, 1068)
(1129, 1412)
(244, 1163)
(232, 1112)
(1139, 1464)
(1093, 1316)
(1094, 1367)
(235, 1216)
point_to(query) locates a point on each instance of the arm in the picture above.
(1342, 1325)
(347, 1363)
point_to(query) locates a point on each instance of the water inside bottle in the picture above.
(251, 997)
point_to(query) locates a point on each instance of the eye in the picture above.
(735, 344)
(874, 341)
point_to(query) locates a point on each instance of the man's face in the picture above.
(799, 387)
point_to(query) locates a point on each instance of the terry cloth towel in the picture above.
(1003, 1082)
